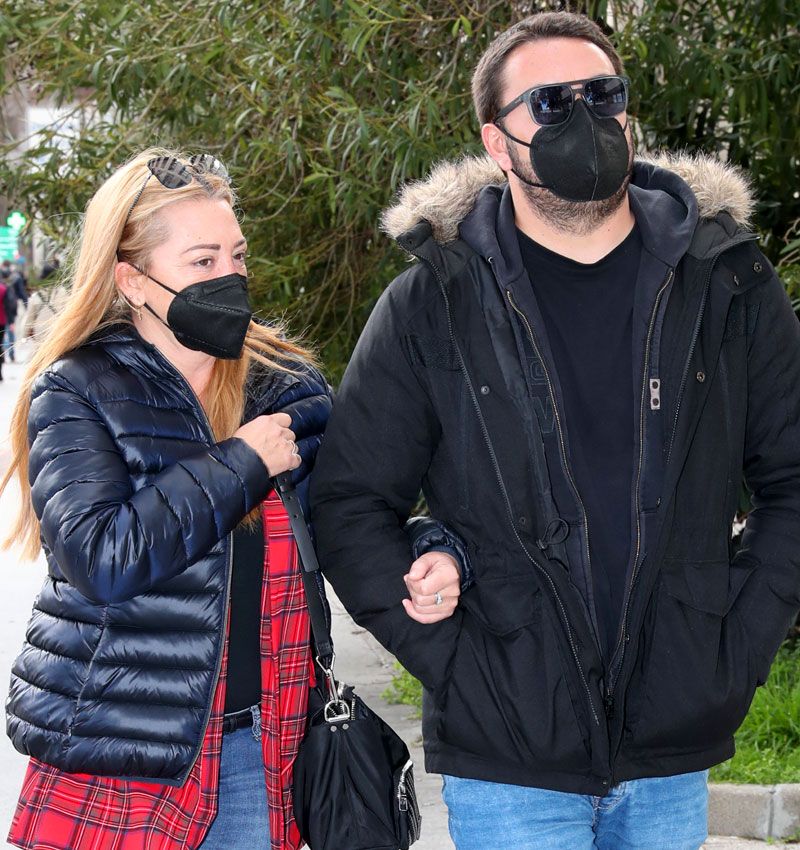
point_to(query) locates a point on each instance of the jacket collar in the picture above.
(669, 193)
(263, 385)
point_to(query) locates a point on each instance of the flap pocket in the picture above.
(709, 586)
(504, 604)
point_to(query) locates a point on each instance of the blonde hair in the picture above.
(117, 225)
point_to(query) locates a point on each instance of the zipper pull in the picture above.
(655, 394)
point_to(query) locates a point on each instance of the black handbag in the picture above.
(353, 778)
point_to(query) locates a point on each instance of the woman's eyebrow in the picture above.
(212, 247)
(207, 247)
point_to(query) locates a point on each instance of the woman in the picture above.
(166, 665)
(162, 689)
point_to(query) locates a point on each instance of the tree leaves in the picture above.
(322, 109)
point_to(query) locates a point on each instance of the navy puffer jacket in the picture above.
(136, 501)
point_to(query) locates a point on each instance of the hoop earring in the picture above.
(135, 308)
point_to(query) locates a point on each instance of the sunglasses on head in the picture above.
(171, 173)
(552, 104)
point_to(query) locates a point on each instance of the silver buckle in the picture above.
(336, 709)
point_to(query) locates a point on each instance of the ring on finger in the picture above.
(437, 598)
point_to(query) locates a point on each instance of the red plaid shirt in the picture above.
(72, 811)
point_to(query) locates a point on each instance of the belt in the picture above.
(237, 720)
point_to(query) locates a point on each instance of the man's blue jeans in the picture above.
(667, 813)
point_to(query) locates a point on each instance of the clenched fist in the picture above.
(434, 585)
(272, 439)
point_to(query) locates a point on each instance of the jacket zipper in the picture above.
(229, 577)
(609, 698)
(562, 444)
(499, 476)
(654, 394)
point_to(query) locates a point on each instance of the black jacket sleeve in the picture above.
(379, 443)
(770, 599)
(111, 542)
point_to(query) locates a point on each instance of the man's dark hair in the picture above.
(487, 81)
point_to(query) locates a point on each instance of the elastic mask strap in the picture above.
(163, 286)
(148, 307)
(505, 132)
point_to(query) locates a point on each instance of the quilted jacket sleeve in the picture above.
(771, 541)
(110, 542)
(308, 401)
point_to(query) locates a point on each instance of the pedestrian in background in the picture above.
(588, 354)
(44, 304)
(4, 291)
(11, 309)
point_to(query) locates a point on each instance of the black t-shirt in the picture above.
(588, 314)
(244, 652)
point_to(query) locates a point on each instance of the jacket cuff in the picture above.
(430, 535)
(245, 461)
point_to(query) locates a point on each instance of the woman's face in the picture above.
(204, 242)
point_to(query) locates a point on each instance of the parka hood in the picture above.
(448, 194)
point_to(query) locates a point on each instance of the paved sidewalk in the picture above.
(361, 662)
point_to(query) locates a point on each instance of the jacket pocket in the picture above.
(696, 677)
(507, 698)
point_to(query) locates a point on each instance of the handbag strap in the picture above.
(309, 570)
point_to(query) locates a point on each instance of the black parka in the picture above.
(452, 388)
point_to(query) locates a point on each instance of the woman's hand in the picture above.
(433, 578)
(272, 439)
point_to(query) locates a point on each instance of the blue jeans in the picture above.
(8, 342)
(667, 813)
(242, 821)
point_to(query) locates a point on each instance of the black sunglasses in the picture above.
(171, 173)
(552, 104)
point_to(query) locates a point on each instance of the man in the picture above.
(20, 283)
(577, 372)
(4, 300)
(10, 307)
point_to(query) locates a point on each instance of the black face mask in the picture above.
(210, 316)
(584, 159)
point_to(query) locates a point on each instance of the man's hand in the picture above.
(433, 577)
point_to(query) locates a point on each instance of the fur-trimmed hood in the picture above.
(447, 195)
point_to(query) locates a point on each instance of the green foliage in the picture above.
(768, 743)
(723, 77)
(322, 109)
(404, 689)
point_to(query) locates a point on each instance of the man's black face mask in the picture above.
(583, 159)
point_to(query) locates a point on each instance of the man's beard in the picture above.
(578, 217)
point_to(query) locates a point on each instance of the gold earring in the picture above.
(137, 308)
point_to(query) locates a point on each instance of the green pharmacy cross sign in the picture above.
(9, 235)
(16, 221)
